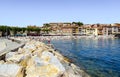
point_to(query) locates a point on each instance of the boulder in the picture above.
(73, 71)
(15, 58)
(11, 70)
(38, 44)
(24, 62)
(44, 66)
(2, 46)
(10, 54)
(38, 51)
(51, 59)
(21, 50)
(2, 62)
(42, 71)
(30, 47)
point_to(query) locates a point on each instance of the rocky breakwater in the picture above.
(2, 45)
(36, 59)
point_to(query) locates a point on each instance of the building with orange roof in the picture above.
(86, 29)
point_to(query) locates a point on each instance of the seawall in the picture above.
(36, 59)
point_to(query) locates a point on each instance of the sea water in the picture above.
(98, 57)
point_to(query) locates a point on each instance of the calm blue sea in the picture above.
(98, 57)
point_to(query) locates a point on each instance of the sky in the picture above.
(37, 12)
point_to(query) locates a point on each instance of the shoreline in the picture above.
(44, 38)
(33, 50)
(66, 63)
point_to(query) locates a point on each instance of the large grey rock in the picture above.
(38, 51)
(45, 66)
(2, 62)
(74, 71)
(2, 45)
(10, 54)
(50, 58)
(30, 47)
(15, 58)
(38, 68)
(11, 70)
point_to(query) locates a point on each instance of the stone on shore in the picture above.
(50, 58)
(73, 71)
(15, 58)
(30, 47)
(38, 51)
(2, 46)
(38, 60)
(11, 70)
(45, 66)
(10, 54)
(2, 62)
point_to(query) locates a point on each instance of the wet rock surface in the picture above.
(36, 59)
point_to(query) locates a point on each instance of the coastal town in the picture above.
(29, 52)
(25, 52)
(62, 29)
(59, 38)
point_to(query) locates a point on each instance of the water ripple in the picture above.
(99, 57)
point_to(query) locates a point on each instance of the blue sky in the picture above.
(37, 12)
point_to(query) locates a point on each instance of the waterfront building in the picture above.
(116, 28)
(66, 31)
(63, 28)
(86, 29)
(82, 31)
(111, 29)
(89, 29)
(70, 30)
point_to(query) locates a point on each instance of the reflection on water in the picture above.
(99, 57)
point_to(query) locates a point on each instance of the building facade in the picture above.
(86, 29)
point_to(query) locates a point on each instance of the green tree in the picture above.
(29, 29)
(73, 22)
(23, 29)
(78, 23)
(5, 30)
(47, 25)
(37, 30)
(46, 30)
(15, 30)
